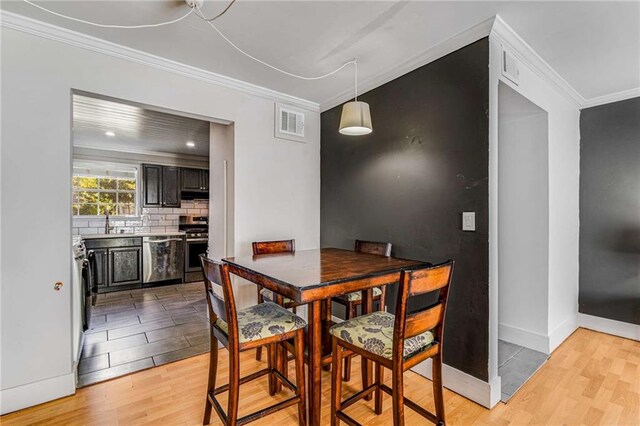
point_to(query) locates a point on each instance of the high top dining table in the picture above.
(313, 277)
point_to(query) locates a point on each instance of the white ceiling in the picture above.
(594, 46)
(136, 129)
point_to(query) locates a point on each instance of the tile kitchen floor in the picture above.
(138, 329)
(516, 365)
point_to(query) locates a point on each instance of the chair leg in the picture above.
(300, 381)
(259, 348)
(234, 388)
(437, 388)
(398, 396)
(271, 363)
(378, 392)
(336, 382)
(350, 313)
(213, 370)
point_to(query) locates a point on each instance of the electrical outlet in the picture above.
(468, 221)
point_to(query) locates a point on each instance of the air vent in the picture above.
(510, 67)
(289, 123)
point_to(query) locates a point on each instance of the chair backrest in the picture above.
(217, 274)
(415, 282)
(269, 247)
(372, 247)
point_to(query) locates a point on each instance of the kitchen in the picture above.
(140, 222)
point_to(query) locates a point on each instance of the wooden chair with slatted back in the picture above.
(266, 324)
(397, 342)
(351, 301)
(272, 247)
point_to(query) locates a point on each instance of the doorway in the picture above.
(523, 238)
(152, 171)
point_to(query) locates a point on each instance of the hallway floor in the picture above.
(592, 378)
(516, 365)
(138, 329)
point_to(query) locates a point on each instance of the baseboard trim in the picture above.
(562, 332)
(479, 391)
(526, 338)
(608, 326)
(19, 397)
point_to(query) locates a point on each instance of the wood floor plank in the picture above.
(572, 388)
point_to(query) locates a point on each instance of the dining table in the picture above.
(313, 277)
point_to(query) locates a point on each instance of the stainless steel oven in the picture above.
(196, 243)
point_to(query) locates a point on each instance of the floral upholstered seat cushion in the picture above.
(374, 333)
(263, 320)
(268, 294)
(357, 295)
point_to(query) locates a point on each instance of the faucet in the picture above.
(107, 226)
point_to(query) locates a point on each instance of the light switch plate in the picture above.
(468, 221)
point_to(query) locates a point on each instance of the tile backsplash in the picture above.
(151, 220)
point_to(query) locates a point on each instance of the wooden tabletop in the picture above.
(309, 275)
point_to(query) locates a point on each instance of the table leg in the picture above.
(367, 366)
(315, 361)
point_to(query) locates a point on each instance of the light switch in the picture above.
(468, 221)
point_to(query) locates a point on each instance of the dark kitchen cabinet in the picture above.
(100, 268)
(160, 186)
(170, 186)
(151, 185)
(125, 266)
(195, 180)
(118, 262)
(205, 180)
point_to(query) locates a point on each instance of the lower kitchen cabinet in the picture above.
(125, 266)
(118, 262)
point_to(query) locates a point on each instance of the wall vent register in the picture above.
(289, 123)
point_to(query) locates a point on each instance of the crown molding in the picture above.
(612, 97)
(63, 35)
(431, 54)
(505, 35)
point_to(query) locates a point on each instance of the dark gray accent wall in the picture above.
(409, 181)
(610, 211)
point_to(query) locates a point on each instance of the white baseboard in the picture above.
(560, 334)
(604, 325)
(528, 339)
(31, 394)
(479, 391)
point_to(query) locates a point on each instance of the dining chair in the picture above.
(351, 301)
(397, 342)
(266, 324)
(272, 247)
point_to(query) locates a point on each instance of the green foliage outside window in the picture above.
(94, 195)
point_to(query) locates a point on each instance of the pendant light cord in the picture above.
(198, 12)
(290, 74)
(95, 24)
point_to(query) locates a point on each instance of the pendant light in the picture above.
(356, 116)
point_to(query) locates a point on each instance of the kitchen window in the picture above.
(98, 188)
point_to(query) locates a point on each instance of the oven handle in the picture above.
(162, 241)
(198, 240)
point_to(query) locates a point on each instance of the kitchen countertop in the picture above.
(131, 235)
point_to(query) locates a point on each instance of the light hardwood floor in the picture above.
(592, 378)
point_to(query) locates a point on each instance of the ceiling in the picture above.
(594, 46)
(135, 129)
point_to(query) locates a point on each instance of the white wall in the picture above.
(276, 187)
(539, 84)
(523, 228)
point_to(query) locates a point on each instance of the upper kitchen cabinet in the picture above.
(195, 180)
(170, 187)
(161, 186)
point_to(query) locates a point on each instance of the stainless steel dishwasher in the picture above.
(162, 258)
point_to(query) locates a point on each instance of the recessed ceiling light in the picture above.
(109, 133)
(190, 144)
